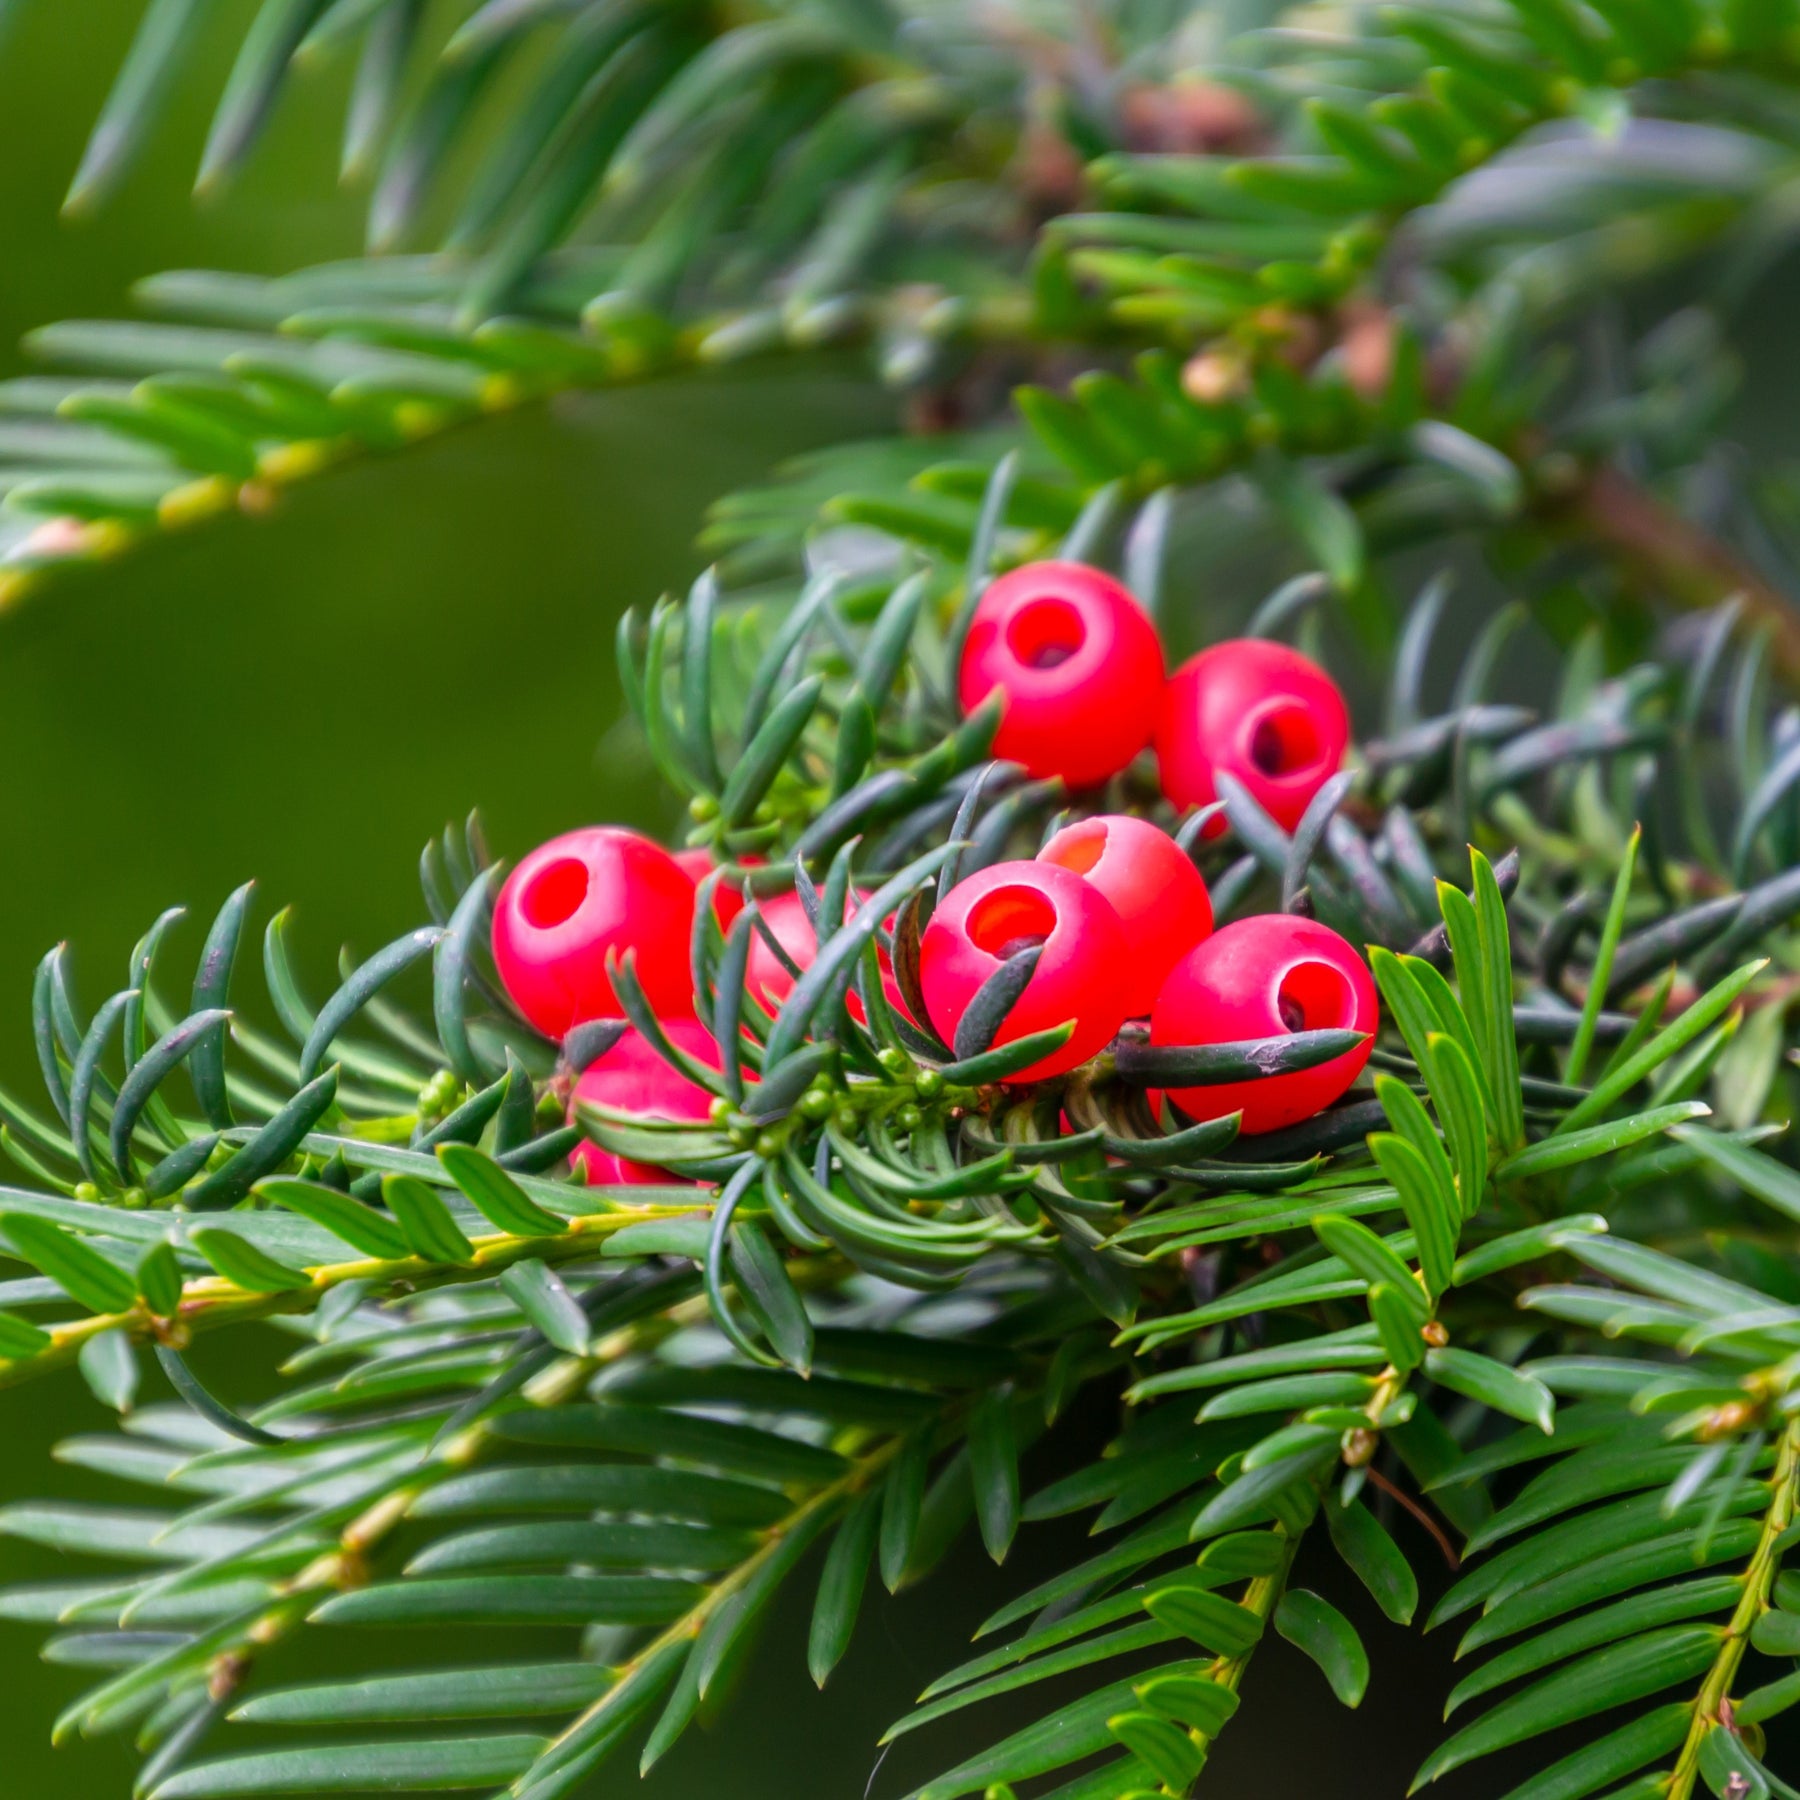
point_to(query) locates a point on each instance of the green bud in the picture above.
(930, 1083)
(720, 1112)
(908, 1117)
(439, 1094)
(846, 1121)
(768, 1145)
(703, 807)
(894, 1060)
(815, 1104)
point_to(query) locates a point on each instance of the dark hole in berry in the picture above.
(1010, 919)
(1314, 996)
(1283, 741)
(555, 893)
(1265, 748)
(1017, 946)
(1045, 633)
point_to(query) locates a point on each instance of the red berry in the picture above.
(1258, 978)
(1080, 665)
(573, 900)
(1016, 906)
(766, 977)
(728, 898)
(632, 1078)
(768, 981)
(1154, 887)
(1260, 712)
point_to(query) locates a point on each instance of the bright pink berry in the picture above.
(768, 981)
(1080, 665)
(1258, 978)
(632, 1078)
(1260, 712)
(1154, 887)
(728, 898)
(576, 898)
(1017, 906)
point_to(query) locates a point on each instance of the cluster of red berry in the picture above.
(1115, 914)
(600, 892)
(1119, 915)
(570, 906)
(1081, 667)
(1122, 927)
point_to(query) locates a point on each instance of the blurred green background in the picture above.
(304, 699)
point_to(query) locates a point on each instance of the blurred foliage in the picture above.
(151, 685)
(1310, 296)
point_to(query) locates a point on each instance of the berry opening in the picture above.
(1081, 848)
(1314, 996)
(554, 894)
(1045, 632)
(1284, 740)
(1010, 920)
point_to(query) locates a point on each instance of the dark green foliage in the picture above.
(725, 1508)
(1360, 288)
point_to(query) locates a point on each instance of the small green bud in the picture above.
(768, 1145)
(908, 1117)
(894, 1060)
(846, 1121)
(703, 807)
(439, 1095)
(85, 1190)
(720, 1112)
(815, 1104)
(930, 1083)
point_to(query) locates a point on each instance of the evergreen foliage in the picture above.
(1389, 280)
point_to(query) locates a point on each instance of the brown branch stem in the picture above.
(1423, 1514)
(1660, 550)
